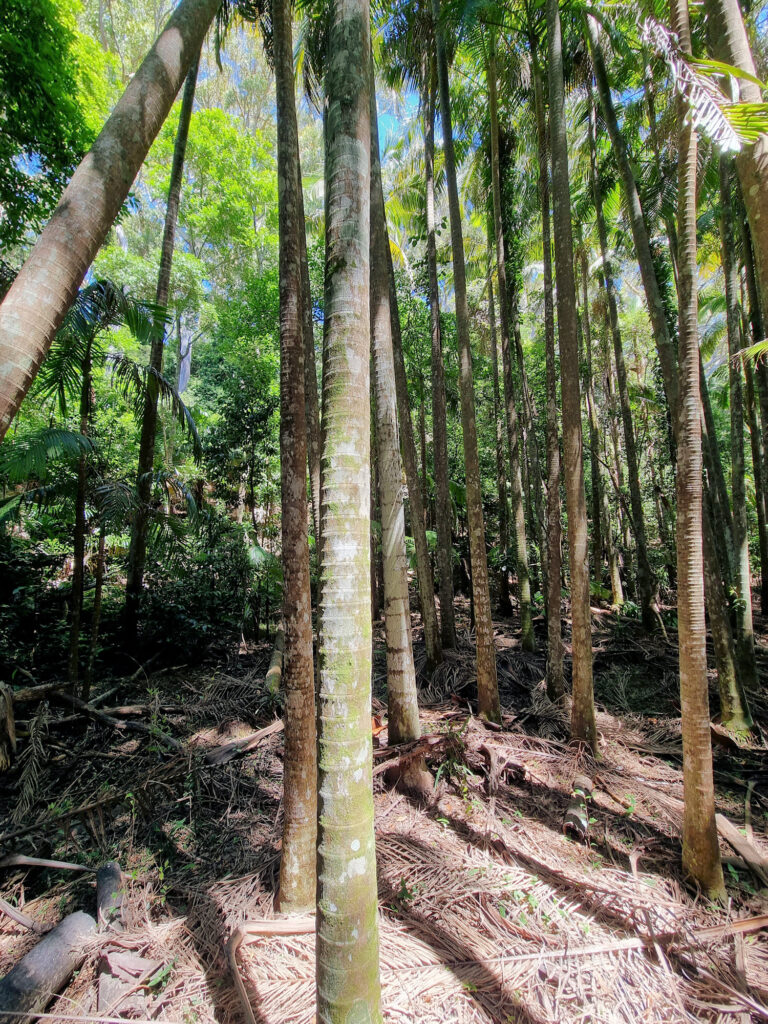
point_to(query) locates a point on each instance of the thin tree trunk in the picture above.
(347, 950)
(47, 284)
(297, 863)
(439, 420)
(583, 709)
(138, 550)
(487, 682)
(311, 400)
(424, 573)
(402, 704)
(645, 585)
(555, 678)
(758, 461)
(78, 565)
(594, 430)
(505, 605)
(528, 638)
(85, 692)
(701, 856)
(742, 576)
(721, 506)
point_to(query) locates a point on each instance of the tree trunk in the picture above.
(347, 957)
(721, 506)
(505, 605)
(583, 709)
(297, 862)
(742, 576)
(487, 683)
(439, 419)
(311, 401)
(515, 479)
(138, 550)
(729, 42)
(402, 704)
(47, 284)
(701, 856)
(555, 678)
(96, 616)
(594, 430)
(758, 462)
(78, 565)
(424, 574)
(645, 584)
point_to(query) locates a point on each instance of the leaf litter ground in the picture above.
(488, 912)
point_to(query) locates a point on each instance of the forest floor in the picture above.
(488, 911)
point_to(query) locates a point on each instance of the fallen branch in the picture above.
(22, 919)
(252, 931)
(129, 726)
(406, 751)
(757, 863)
(224, 753)
(275, 670)
(15, 860)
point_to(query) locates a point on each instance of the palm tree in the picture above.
(297, 874)
(47, 284)
(487, 683)
(583, 709)
(348, 985)
(505, 604)
(403, 717)
(138, 549)
(701, 856)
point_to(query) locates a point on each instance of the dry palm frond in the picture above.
(31, 761)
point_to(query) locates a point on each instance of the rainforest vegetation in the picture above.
(384, 510)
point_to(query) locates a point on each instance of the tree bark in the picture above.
(439, 419)
(505, 605)
(137, 553)
(347, 959)
(311, 400)
(78, 570)
(297, 863)
(402, 703)
(47, 284)
(594, 430)
(701, 856)
(583, 709)
(96, 615)
(758, 462)
(555, 678)
(516, 485)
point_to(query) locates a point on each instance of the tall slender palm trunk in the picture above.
(516, 485)
(297, 875)
(555, 678)
(443, 514)
(505, 604)
(402, 704)
(78, 564)
(47, 284)
(137, 553)
(701, 856)
(594, 428)
(487, 682)
(311, 401)
(758, 463)
(347, 960)
(583, 708)
(645, 587)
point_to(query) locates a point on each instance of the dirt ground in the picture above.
(488, 911)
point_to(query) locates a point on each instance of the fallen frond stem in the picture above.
(252, 931)
(23, 920)
(129, 726)
(406, 751)
(14, 860)
(224, 753)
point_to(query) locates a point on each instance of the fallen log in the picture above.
(576, 820)
(120, 973)
(275, 670)
(28, 988)
(7, 728)
(757, 863)
(224, 753)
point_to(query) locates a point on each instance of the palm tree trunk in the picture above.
(347, 955)
(555, 678)
(138, 550)
(742, 576)
(701, 856)
(297, 863)
(487, 682)
(439, 420)
(505, 605)
(721, 506)
(85, 692)
(402, 704)
(424, 573)
(47, 284)
(645, 586)
(729, 42)
(311, 400)
(78, 564)
(758, 462)
(594, 430)
(583, 709)
(515, 479)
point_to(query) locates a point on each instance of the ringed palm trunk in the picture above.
(645, 588)
(555, 678)
(47, 284)
(78, 570)
(347, 960)
(439, 419)
(137, 553)
(594, 430)
(311, 401)
(96, 616)
(402, 704)
(742, 576)
(505, 605)
(515, 478)
(297, 863)
(701, 856)
(487, 682)
(424, 574)
(758, 461)
(583, 709)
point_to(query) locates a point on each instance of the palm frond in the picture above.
(22, 458)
